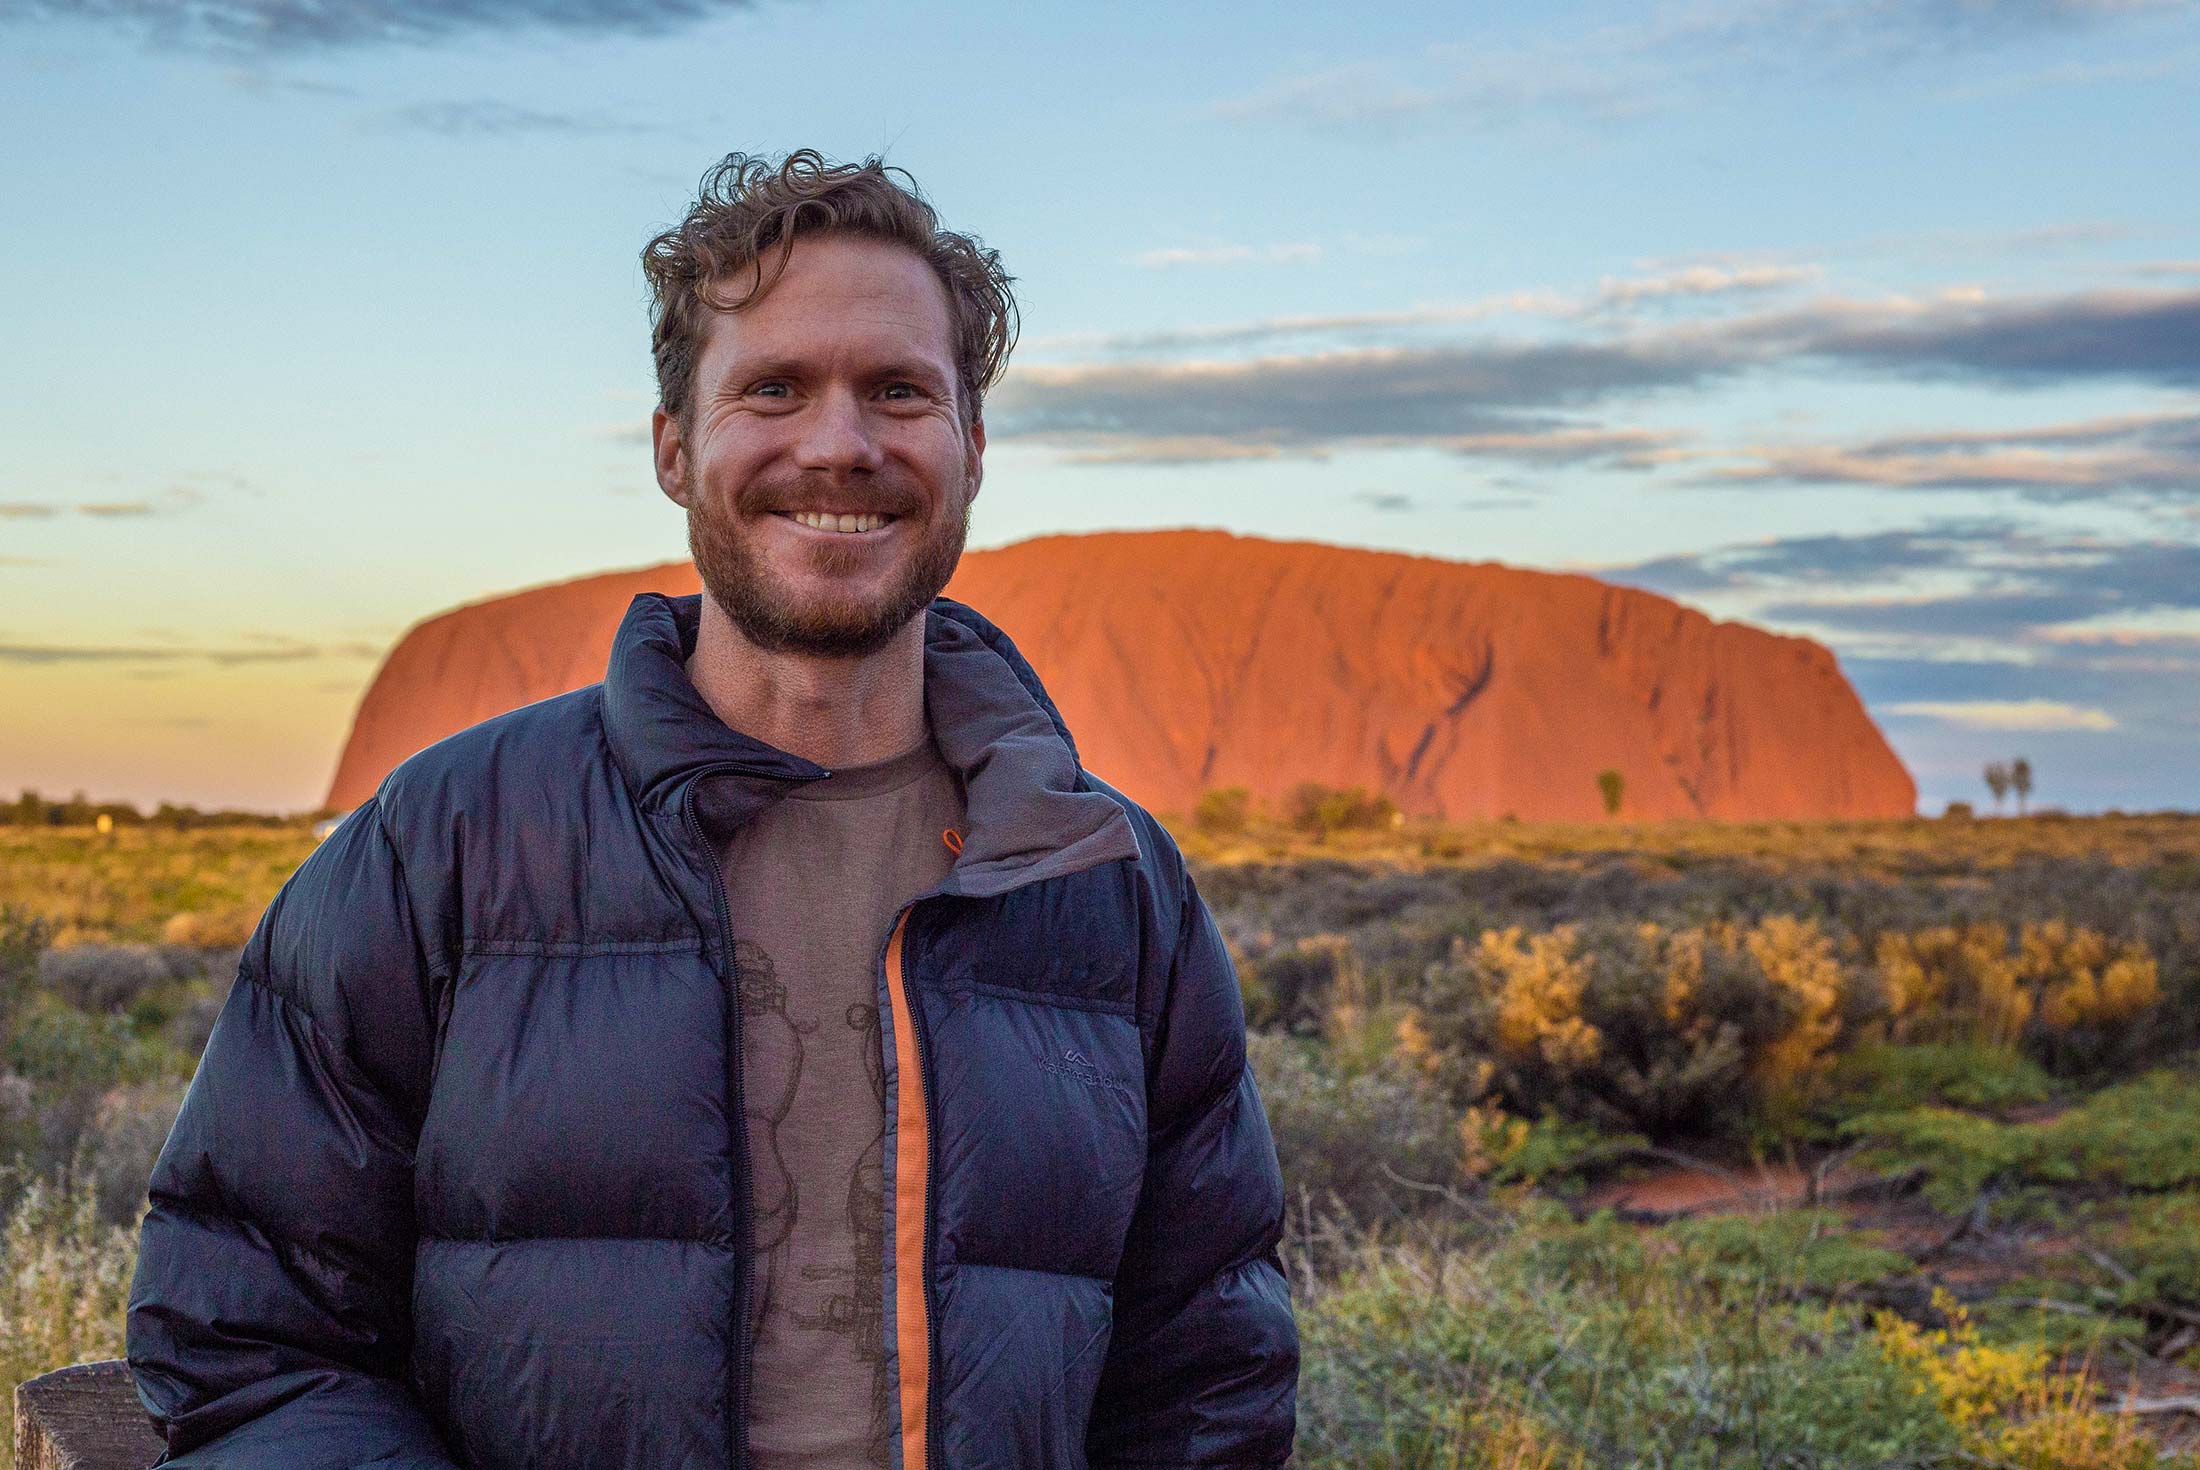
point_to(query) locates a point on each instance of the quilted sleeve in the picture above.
(1202, 1366)
(269, 1322)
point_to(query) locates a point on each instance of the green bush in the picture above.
(1882, 1078)
(2143, 1134)
(1336, 1134)
(1223, 811)
(1555, 1344)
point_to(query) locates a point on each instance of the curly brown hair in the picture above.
(749, 206)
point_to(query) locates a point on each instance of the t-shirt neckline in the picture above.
(875, 778)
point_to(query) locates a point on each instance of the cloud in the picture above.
(1698, 281)
(306, 25)
(177, 498)
(1613, 296)
(2152, 452)
(1386, 500)
(1447, 395)
(1454, 397)
(273, 648)
(2137, 335)
(1662, 58)
(486, 118)
(2014, 584)
(1169, 259)
(2007, 714)
(1835, 560)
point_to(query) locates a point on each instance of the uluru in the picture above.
(1185, 660)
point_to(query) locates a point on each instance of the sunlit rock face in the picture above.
(1184, 660)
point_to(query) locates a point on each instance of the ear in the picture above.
(670, 453)
(977, 455)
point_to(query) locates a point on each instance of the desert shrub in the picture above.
(1877, 1077)
(1223, 811)
(100, 978)
(115, 1156)
(64, 1281)
(1807, 1251)
(2143, 1134)
(1636, 1025)
(2074, 997)
(1958, 1153)
(69, 1061)
(1554, 1152)
(1290, 987)
(2160, 1245)
(1556, 1344)
(1336, 1134)
(1317, 809)
(23, 938)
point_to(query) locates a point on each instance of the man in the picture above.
(782, 1053)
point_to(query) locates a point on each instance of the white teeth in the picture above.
(822, 522)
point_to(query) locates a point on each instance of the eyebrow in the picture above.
(914, 369)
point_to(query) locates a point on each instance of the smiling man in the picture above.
(783, 1053)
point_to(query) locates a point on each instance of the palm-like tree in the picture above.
(2020, 777)
(1997, 781)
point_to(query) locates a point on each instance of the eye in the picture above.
(771, 388)
(907, 390)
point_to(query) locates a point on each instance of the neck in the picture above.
(834, 711)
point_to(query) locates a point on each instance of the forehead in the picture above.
(840, 299)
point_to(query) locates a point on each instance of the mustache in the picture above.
(884, 496)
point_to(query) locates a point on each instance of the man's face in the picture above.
(836, 393)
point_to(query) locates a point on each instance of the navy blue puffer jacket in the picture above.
(461, 1181)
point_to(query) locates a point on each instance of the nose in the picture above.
(836, 435)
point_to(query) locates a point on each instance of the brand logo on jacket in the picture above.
(1074, 1063)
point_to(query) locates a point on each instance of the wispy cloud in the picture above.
(1696, 282)
(487, 118)
(270, 648)
(304, 25)
(168, 502)
(1613, 297)
(1671, 56)
(2150, 452)
(2007, 714)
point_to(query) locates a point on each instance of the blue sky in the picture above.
(1876, 321)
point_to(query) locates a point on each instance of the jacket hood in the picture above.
(1027, 815)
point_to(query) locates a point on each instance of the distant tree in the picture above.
(1223, 811)
(1997, 781)
(1316, 809)
(1957, 811)
(1611, 785)
(2020, 777)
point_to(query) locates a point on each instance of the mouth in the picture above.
(862, 526)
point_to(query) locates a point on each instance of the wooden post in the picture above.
(85, 1417)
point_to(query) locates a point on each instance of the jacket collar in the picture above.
(1025, 816)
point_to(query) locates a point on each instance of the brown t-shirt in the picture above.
(815, 882)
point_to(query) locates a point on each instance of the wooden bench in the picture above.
(85, 1417)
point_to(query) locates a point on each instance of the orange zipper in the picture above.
(912, 1154)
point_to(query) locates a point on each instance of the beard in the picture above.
(770, 615)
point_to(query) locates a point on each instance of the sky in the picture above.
(1874, 321)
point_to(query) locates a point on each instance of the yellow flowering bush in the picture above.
(1970, 1380)
(1538, 981)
